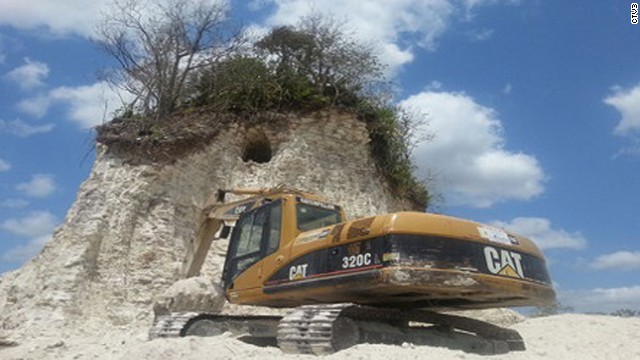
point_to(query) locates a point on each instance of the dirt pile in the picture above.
(563, 337)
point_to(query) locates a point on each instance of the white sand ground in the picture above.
(556, 337)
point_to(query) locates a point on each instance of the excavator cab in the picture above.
(260, 232)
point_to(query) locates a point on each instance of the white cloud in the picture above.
(468, 155)
(632, 150)
(394, 56)
(381, 21)
(479, 35)
(88, 105)
(3, 56)
(35, 224)
(543, 234)
(4, 165)
(627, 102)
(434, 85)
(30, 75)
(59, 17)
(22, 129)
(84, 103)
(622, 260)
(38, 226)
(40, 185)
(35, 106)
(602, 299)
(23, 253)
(377, 19)
(14, 203)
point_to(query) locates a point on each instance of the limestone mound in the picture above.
(124, 240)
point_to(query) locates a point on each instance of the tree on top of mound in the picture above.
(158, 46)
(179, 57)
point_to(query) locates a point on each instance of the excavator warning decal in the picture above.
(503, 262)
(310, 236)
(497, 235)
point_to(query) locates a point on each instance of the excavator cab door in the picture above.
(255, 236)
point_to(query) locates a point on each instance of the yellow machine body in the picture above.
(291, 248)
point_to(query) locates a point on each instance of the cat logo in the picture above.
(297, 272)
(503, 262)
(240, 209)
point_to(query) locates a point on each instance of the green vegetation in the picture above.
(315, 65)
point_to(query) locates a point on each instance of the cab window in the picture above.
(311, 217)
(251, 233)
(275, 224)
(256, 235)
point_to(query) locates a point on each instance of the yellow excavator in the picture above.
(377, 279)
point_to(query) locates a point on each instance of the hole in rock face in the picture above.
(257, 147)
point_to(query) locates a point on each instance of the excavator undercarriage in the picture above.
(324, 329)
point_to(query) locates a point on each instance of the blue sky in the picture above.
(534, 107)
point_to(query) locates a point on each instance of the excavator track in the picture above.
(315, 329)
(204, 324)
(325, 329)
(171, 325)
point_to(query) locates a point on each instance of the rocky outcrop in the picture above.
(124, 239)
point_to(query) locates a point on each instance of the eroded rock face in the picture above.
(123, 241)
